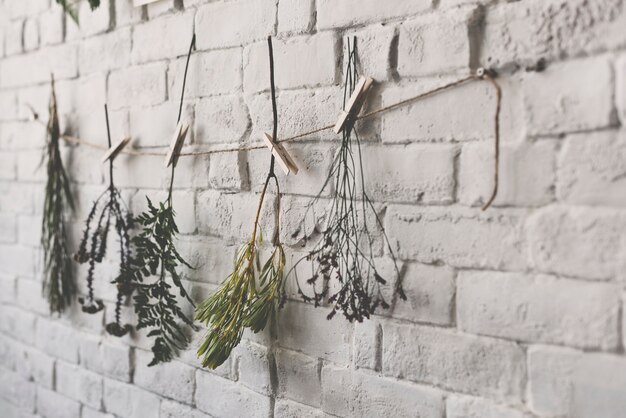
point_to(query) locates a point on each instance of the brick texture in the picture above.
(518, 311)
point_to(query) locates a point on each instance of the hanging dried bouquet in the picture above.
(154, 267)
(108, 210)
(252, 294)
(344, 272)
(59, 286)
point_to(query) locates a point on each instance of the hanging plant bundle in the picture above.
(70, 7)
(109, 209)
(155, 261)
(344, 271)
(252, 294)
(59, 286)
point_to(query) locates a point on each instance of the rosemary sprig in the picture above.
(70, 7)
(58, 282)
(252, 294)
(109, 209)
(157, 258)
(344, 254)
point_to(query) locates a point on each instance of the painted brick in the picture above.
(228, 398)
(306, 61)
(576, 241)
(110, 51)
(210, 73)
(375, 396)
(559, 28)
(296, 16)
(592, 169)
(435, 44)
(129, 401)
(305, 328)
(454, 361)
(468, 116)
(550, 376)
(298, 378)
(57, 340)
(162, 38)
(221, 120)
(556, 100)
(468, 407)
(172, 380)
(256, 20)
(137, 86)
(430, 292)
(526, 173)
(331, 14)
(409, 173)
(51, 404)
(590, 395)
(490, 239)
(539, 309)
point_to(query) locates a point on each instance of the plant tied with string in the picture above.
(109, 209)
(253, 293)
(153, 271)
(58, 284)
(344, 271)
(70, 7)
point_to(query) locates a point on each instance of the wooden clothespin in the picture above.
(284, 159)
(115, 150)
(355, 103)
(138, 3)
(177, 144)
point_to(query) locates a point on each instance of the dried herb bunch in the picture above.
(252, 294)
(59, 285)
(109, 209)
(155, 261)
(70, 7)
(344, 271)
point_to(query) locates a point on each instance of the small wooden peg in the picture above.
(177, 144)
(115, 150)
(355, 103)
(284, 159)
(138, 3)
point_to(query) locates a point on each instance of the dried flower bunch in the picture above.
(344, 271)
(59, 285)
(252, 294)
(110, 210)
(155, 261)
(70, 7)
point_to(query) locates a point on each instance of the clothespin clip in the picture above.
(115, 150)
(278, 151)
(355, 103)
(177, 144)
(138, 3)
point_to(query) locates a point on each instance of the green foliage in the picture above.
(70, 7)
(156, 259)
(241, 302)
(59, 285)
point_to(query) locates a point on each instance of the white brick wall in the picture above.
(514, 312)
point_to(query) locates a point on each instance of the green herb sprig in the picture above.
(156, 260)
(58, 285)
(70, 7)
(252, 294)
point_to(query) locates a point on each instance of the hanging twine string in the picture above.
(480, 75)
